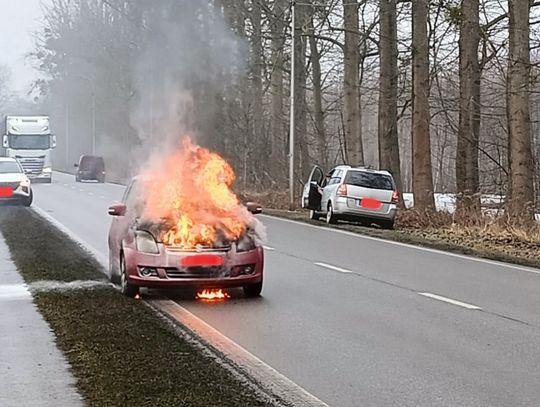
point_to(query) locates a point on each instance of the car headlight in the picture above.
(245, 244)
(146, 242)
(47, 170)
(25, 183)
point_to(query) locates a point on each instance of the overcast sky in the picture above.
(18, 19)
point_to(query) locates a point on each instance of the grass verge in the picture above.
(121, 353)
(485, 241)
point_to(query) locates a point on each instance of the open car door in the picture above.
(311, 197)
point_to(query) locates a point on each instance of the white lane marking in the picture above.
(81, 190)
(335, 268)
(102, 197)
(410, 246)
(65, 185)
(269, 248)
(90, 193)
(264, 374)
(450, 301)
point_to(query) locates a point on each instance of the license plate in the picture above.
(6, 192)
(368, 203)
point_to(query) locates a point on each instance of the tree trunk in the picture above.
(389, 158)
(317, 97)
(521, 200)
(301, 145)
(354, 153)
(467, 176)
(278, 140)
(257, 138)
(421, 143)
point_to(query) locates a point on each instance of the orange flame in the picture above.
(212, 294)
(193, 190)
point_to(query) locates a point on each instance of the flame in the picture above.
(212, 294)
(192, 189)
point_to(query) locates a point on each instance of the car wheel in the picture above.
(387, 224)
(101, 179)
(28, 201)
(313, 215)
(129, 290)
(253, 290)
(113, 274)
(331, 218)
(77, 179)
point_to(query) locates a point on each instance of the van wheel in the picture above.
(331, 218)
(387, 224)
(129, 290)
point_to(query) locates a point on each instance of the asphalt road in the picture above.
(362, 322)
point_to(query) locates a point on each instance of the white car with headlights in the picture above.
(15, 186)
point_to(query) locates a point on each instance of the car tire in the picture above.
(387, 224)
(114, 277)
(101, 180)
(331, 218)
(127, 289)
(314, 215)
(28, 201)
(77, 179)
(252, 290)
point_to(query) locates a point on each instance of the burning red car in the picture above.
(181, 225)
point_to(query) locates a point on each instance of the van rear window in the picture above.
(369, 180)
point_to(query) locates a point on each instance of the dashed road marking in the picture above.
(450, 301)
(269, 248)
(334, 268)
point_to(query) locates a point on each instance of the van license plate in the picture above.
(368, 203)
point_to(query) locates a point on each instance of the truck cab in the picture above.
(28, 139)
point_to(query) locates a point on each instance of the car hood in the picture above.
(13, 177)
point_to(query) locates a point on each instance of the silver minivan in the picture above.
(352, 193)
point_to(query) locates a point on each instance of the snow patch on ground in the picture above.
(447, 202)
(52, 285)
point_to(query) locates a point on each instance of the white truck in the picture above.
(29, 140)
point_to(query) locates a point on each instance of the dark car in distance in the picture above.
(90, 168)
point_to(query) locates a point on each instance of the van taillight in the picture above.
(342, 190)
(395, 197)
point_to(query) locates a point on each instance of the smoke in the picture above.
(189, 57)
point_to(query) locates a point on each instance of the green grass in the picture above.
(121, 352)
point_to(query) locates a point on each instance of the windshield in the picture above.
(369, 180)
(9, 167)
(29, 142)
(91, 163)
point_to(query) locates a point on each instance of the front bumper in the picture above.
(349, 208)
(39, 176)
(20, 195)
(171, 273)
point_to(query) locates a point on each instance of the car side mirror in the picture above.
(53, 141)
(76, 165)
(5, 142)
(254, 208)
(117, 210)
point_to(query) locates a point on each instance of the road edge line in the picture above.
(265, 375)
(515, 267)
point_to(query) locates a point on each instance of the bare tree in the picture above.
(421, 143)
(388, 94)
(353, 134)
(521, 200)
(469, 108)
